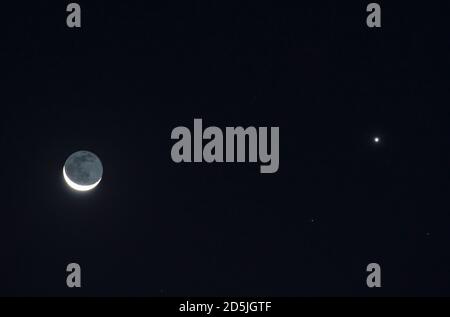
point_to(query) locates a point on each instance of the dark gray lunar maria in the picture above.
(83, 170)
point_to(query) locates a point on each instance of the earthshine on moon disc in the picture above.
(83, 171)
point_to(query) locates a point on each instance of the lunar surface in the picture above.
(83, 171)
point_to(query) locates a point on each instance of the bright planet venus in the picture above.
(83, 171)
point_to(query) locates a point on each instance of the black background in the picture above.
(136, 70)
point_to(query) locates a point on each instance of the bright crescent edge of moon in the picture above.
(81, 188)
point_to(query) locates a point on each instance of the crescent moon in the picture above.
(81, 188)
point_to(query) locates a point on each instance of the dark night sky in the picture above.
(134, 71)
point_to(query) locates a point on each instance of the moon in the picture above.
(83, 171)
